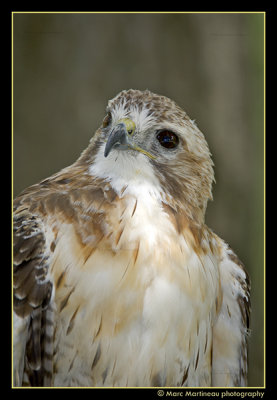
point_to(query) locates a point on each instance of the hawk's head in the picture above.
(147, 139)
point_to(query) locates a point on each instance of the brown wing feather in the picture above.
(232, 326)
(244, 305)
(31, 287)
(63, 198)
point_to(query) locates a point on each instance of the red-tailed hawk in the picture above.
(117, 279)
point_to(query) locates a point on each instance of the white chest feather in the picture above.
(139, 310)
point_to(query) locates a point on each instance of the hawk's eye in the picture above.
(107, 120)
(168, 139)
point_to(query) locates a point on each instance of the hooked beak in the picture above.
(121, 138)
(118, 138)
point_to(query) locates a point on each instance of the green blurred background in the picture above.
(66, 67)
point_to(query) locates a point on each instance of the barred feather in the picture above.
(117, 280)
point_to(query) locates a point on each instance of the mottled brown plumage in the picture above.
(117, 279)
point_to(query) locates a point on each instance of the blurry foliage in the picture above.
(66, 67)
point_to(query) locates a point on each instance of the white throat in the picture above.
(123, 170)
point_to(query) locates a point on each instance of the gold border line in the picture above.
(138, 12)
(264, 183)
(12, 201)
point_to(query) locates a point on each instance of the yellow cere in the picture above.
(130, 125)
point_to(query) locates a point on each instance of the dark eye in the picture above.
(168, 139)
(107, 120)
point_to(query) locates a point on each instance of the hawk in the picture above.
(117, 280)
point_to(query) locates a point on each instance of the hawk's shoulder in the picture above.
(39, 211)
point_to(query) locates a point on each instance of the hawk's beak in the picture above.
(118, 138)
(121, 137)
